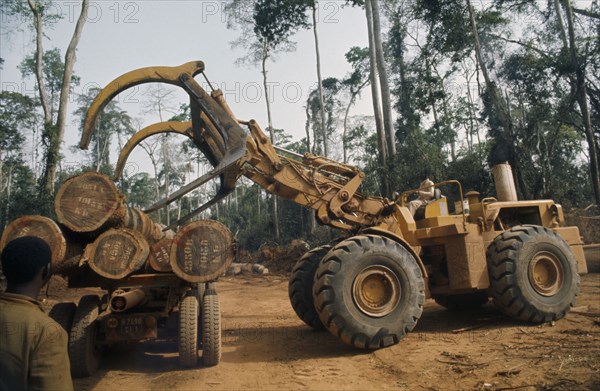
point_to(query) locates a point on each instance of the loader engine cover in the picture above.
(202, 251)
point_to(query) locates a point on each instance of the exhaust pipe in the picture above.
(505, 183)
(122, 300)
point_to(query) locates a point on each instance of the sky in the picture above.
(120, 36)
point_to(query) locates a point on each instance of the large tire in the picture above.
(63, 314)
(369, 291)
(211, 329)
(300, 286)
(533, 274)
(84, 352)
(188, 330)
(463, 302)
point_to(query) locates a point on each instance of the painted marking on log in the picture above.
(188, 256)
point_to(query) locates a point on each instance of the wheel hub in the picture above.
(545, 274)
(376, 291)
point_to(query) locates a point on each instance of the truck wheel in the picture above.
(533, 274)
(211, 329)
(63, 314)
(188, 330)
(369, 291)
(462, 302)
(84, 352)
(301, 285)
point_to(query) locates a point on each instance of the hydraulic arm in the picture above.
(327, 186)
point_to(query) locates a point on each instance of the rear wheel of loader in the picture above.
(211, 328)
(84, 352)
(533, 274)
(301, 285)
(462, 302)
(63, 314)
(188, 330)
(369, 291)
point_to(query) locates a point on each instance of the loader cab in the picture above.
(438, 206)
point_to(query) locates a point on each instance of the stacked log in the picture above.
(98, 233)
(90, 203)
(117, 253)
(202, 250)
(64, 248)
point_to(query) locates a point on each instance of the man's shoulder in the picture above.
(27, 313)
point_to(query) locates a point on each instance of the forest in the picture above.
(457, 87)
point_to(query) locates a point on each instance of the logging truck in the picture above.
(159, 284)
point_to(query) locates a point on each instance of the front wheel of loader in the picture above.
(369, 291)
(533, 274)
(84, 352)
(301, 285)
(211, 328)
(188, 331)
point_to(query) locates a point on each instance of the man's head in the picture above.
(26, 261)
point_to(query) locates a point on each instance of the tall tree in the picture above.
(388, 123)
(355, 82)
(267, 27)
(54, 127)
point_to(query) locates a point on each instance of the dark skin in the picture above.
(32, 288)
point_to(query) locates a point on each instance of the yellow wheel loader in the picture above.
(368, 288)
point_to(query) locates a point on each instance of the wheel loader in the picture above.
(368, 287)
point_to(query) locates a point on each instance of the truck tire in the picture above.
(369, 291)
(463, 302)
(84, 352)
(300, 286)
(533, 274)
(211, 329)
(188, 330)
(63, 314)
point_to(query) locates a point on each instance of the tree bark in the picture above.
(381, 143)
(320, 81)
(274, 203)
(388, 122)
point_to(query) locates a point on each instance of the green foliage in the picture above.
(53, 69)
(276, 20)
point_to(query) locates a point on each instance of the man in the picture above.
(426, 192)
(33, 347)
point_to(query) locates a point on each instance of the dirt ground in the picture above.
(266, 347)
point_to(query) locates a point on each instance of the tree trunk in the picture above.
(582, 100)
(274, 203)
(345, 131)
(56, 133)
(500, 106)
(381, 137)
(320, 81)
(388, 122)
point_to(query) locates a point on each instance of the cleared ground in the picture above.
(266, 347)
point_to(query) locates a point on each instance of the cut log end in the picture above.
(201, 251)
(88, 202)
(40, 227)
(117, 253)
(159, 256)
